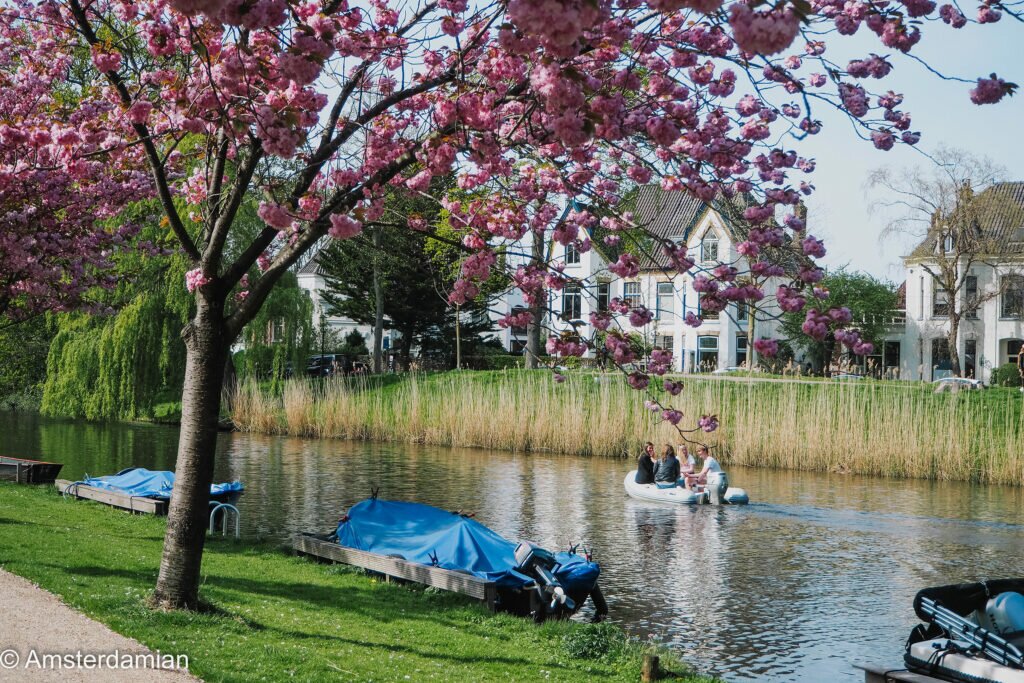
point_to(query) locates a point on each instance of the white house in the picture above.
(312, 281)
(722, 339)
(991, 334)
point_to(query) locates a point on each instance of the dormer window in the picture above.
(572, 254)
(947, 243)
(709, 249)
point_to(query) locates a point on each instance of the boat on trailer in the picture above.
(25, 471)
(972, 632)
(716, 492)
(523, 578)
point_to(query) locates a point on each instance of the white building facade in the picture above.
(723, 338)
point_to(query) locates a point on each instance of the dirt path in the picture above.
(35, 623)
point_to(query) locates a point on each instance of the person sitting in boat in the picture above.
(645, 465)
(687, 463)
(666, 474)
(710, 465)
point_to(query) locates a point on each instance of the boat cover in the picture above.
(964, 598)
(143, 483)
(434, 537)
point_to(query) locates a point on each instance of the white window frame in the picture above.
(631, 294)
(665, 289)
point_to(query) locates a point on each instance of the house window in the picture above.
(971, 296)
(572, 302)
(947, 243)
(277, 331)
(1013, 296)
(940, 301)
(704, 313)
(707, 353)
(709, 249)
(631, 293)
(1013, 348)
(741, 349)
(942, 364)
(516, 329)
(742, 312)
(666, 300)
(603, 295)
(572, 254)
(970, 357)
(666, 342)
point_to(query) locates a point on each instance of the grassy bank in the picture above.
(897, 429)
(276, 617)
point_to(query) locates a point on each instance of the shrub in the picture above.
(594, 641)
(1006, 376)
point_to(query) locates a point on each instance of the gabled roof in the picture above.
(667, 214)
(312, 266)
(1001, 221)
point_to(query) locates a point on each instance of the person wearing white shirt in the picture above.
(710, 466)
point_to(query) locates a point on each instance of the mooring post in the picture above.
(649, 671)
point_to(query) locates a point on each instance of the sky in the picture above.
(840, 208)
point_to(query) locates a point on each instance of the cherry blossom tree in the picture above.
(314, 108)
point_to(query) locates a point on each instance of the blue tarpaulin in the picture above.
(143, 483)
(431, 536)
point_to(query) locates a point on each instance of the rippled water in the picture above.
(816, 574)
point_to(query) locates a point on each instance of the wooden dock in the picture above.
(393, 567)
(24, 471)
(149, 506)
(887, 674)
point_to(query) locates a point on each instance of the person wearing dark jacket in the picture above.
(645, 465)
(666, 474)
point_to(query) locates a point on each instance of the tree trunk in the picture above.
(207, 348)
(378, 320)
(533, 328)
(954, 354)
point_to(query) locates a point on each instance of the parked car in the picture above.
(327, 364)
(729, 370)
(961, 382)
(846, 377)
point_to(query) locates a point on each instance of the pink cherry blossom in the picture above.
(708, 423)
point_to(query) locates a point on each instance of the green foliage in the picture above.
(280, 335)
(112, 367)
(603, 642)
(871, 301)
(23, 348)
(354, 345)
(1006, 376)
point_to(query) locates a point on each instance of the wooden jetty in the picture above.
(149, 506)
(888, 674)
(24, 471)
(393, 567)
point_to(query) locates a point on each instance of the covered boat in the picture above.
(139, 482)
(717, 492)
(973, 632)
(529, 579)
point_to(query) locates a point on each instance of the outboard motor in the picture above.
(718, 484)
(540, 563)
(1004, 615)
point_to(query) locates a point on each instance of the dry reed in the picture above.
(889, 429)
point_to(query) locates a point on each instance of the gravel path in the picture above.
(34, 623)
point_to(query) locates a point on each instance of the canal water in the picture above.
(816, 574)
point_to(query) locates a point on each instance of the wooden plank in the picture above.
(149, 506)
(457, 582)
(890, 674)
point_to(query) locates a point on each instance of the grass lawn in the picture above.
(276, 617)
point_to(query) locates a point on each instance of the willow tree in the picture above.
(315, 108)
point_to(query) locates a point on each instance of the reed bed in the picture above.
(889, 429)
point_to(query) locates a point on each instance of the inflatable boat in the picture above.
(973, 632)
(717, 492)
(530, 580)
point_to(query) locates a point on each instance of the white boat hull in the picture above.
(933, 656)
(678, 494)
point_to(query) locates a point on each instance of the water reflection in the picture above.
(816, 574)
